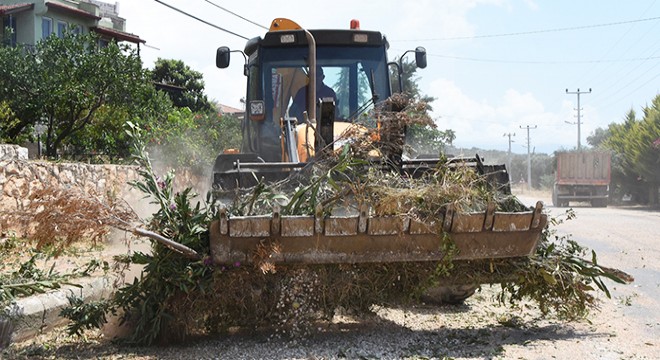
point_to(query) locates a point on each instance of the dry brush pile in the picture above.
(42, 253)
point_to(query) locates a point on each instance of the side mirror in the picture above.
(222, 57)
(420, 57)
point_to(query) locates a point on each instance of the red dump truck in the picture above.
(582, 176)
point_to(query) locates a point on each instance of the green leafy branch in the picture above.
(559, 279)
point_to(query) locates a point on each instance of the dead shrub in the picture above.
(59, 217)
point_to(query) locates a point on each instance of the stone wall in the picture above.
(19, 179)
(13, 152)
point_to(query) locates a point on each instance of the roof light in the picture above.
(287, 38)
(355, 24)
(360, 38)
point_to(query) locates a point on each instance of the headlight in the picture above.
(287, 39)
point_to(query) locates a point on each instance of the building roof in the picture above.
(119, 35)
(168, 87)
(71, 10)
(16, 8)
(224, 109)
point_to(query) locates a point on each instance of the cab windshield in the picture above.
(356, 75)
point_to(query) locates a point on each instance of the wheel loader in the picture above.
(278, 141)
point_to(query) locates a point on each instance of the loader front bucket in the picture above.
(368, 239)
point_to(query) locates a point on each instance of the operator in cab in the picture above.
(323, 91)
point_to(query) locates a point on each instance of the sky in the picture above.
(495, 67)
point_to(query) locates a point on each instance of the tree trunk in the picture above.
(653, 194)
(51, 151)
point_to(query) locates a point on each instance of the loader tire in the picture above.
(450, 294)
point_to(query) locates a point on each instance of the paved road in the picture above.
(626, 238)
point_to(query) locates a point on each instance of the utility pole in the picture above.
(529, 157)
(508, 159)
(578, 92)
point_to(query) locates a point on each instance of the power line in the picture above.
(235, 14)
(614, 89)
(543, 62)
(614, 76)
(619, 98)
(533, 32)
(460, 118)
(630, 45)
(202, 21)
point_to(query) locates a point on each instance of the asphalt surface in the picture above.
(626, 238)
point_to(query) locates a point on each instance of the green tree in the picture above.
(7, 121)
(67, 81)
(637, 155)
(18, 92)
(105, 136)
(425, 140)
(187, 85)
(644, 153)
(623, 179)
(410, 81)
(193, 140)
(342, 85)
(598, 137)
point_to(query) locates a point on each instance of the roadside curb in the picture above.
(31, 316)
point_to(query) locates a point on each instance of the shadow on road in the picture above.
(369, 337)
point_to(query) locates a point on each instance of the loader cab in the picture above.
(354, 64)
